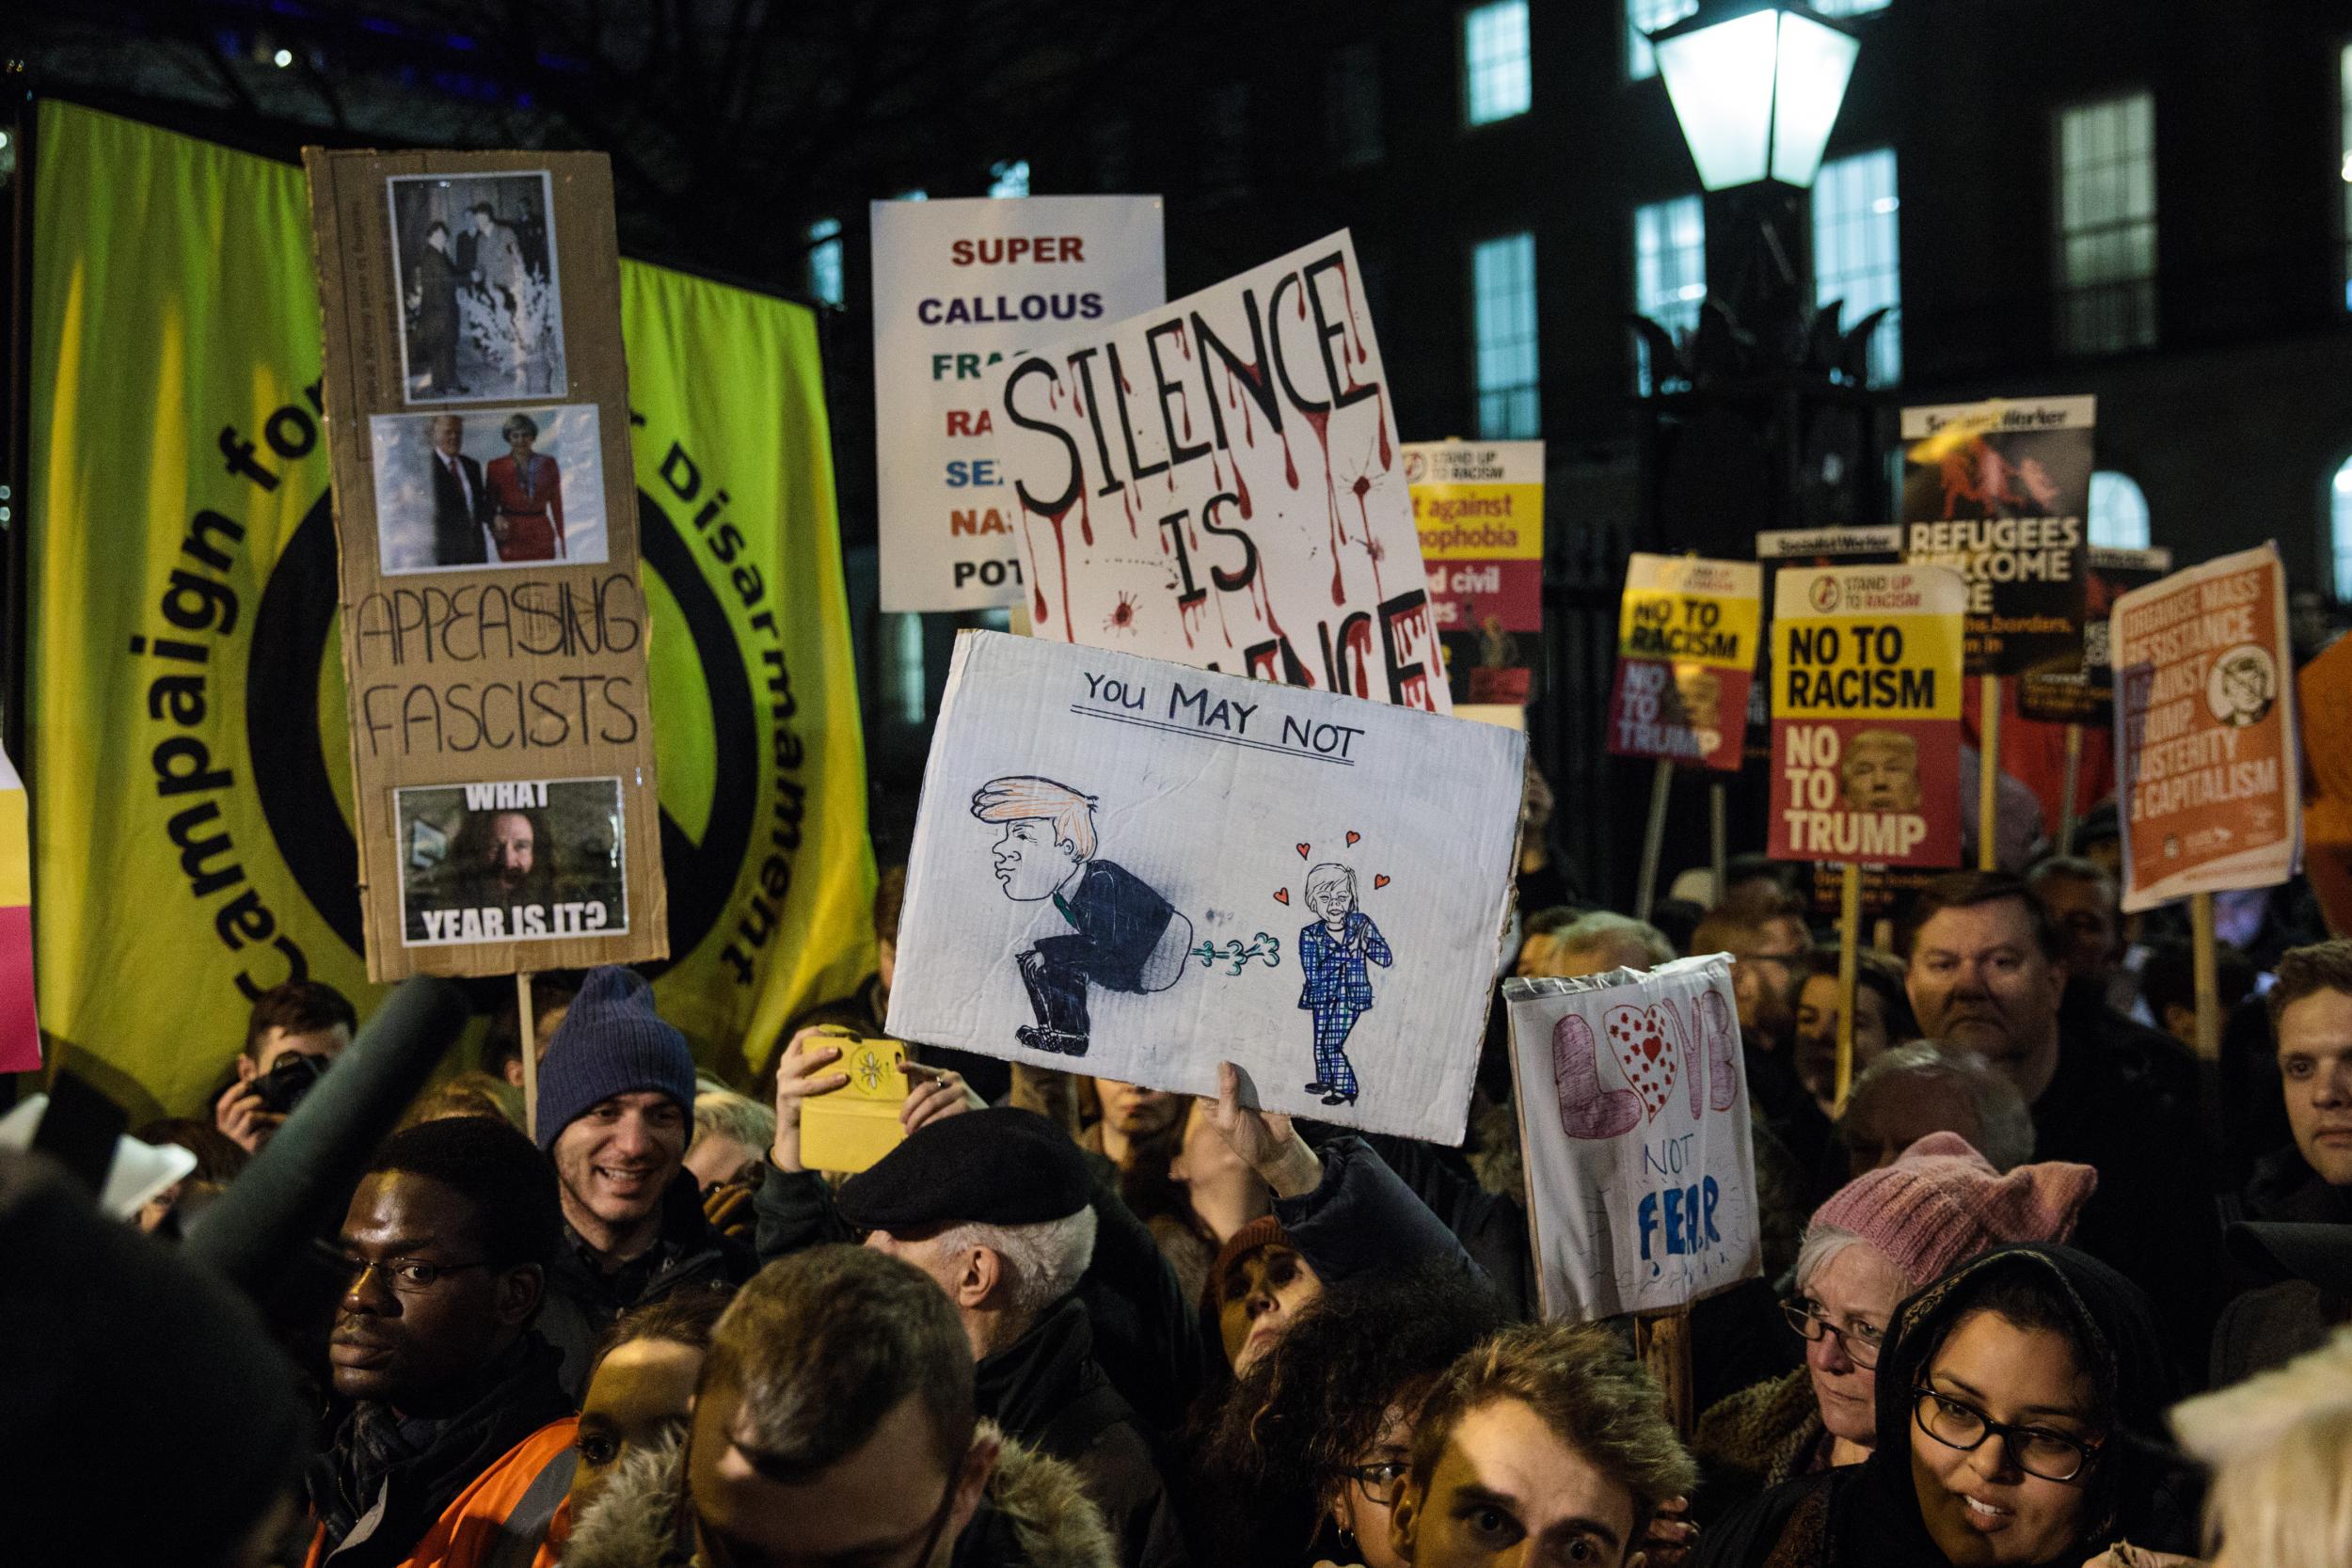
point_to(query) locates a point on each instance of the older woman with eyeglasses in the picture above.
(1879, 1238)
(2020, 1406)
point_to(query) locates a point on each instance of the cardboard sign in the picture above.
(1686, 656)
(2323, 687)
(20, 1030)
(1479, 506)
(494, 625)
(1999, 492)
(1633, 1112)
(1136, 870)
(1216, 483)
(2088, 698)
(959, 286)
(2204, 731)
(1865, 714)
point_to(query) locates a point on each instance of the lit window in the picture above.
(2345, 168)
(2118, 513)
(2340, 530)
(1847, 7)
(824, 261)
(1857, 251)
(2106, 225)
(1225, 159)
(1669, 271)
(1009, 178)
(1351, 107)
(1643, 17)
(1502, 311)
(1498, 79)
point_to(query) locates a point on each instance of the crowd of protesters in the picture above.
(1071, 1322)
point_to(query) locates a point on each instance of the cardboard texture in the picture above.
(851, 1128)
(1479, 507)
(1633, 1113)
(2323, 687)
(1166, 868)
(1866, 715)
(2204, 731)
(525, 663)
(1217, 483)
(2000, 492)
(1686, 656)
(2088, 698)
(959, 285)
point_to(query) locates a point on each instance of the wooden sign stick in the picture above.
(1988, 771)
(1849, 939)
(2074, 780)
(2208, 975)
(1654, 839)
(1719, 834)
(1663, 1342)
(526, 1018)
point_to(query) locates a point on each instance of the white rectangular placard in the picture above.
(1134, 869)
(958, 287)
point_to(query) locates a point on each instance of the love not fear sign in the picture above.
(1217, 483)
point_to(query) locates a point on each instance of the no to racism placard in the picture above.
(2204, 731)
(1865, 714)
(2000, 492)
(1216, 483)
(1634, 1111)
(1479, 506)
(1686, 654)
(494, 620)
(959, 285)
(2088, 698)
(1137, 869)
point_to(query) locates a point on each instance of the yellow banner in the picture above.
(1863, 642)
(1690, 612)
(1480, 522)
(189, 765)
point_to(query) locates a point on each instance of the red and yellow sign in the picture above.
(1686, 656)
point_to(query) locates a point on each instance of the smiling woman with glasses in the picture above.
(2020, 1403)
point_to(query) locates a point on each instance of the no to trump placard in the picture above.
(959, 286)
(1999, 492)
(1865, 714)
(1686, 654)
(1217, 483)
(2204, 731)
(1479, 506)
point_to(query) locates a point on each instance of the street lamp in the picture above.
(1755, 87)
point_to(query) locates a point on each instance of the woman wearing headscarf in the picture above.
(1881, 1236)
(2020, 1407)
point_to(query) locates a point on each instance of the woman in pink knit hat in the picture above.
(1879, 1238)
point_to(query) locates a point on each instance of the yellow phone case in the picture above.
(850, 1129)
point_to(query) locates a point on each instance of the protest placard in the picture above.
(1632, 1106)
(1136, 870)
(1216, 483)
(20, 1031)
(1479, 506)
(959, 285)
(2323, 687)
(494, 625)
(1686, 656)
(1999, 492)
(2088, 696)
(1865, 714)
(2204, 731)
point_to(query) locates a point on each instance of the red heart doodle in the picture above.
(1639, 1038)
(1302, 850)
(1352, 837)
(1380, 881)
(1281, 896)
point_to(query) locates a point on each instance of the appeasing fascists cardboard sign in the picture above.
(1136, 870)
(2000, 492)
(959, 285)
(2204, 731)
(1633, 1112)
(1479, 506)
(1865, 714)
(1686, 654)
(2088, 696)
(1216, 483)
(493, 622)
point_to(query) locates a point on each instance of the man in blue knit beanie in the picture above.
(616, 1108)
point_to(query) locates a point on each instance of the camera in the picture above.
(283, 1085)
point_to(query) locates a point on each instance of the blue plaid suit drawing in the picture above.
(1338, 992)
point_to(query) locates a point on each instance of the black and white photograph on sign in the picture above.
(480, 305)
(511, 862)
(460, 492)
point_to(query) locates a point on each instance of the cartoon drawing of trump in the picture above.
(1334, 952)
(1123, 935)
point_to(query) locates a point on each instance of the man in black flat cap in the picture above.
(995, 1207)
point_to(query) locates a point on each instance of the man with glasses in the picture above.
(834, 1426)
(443, 1256)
